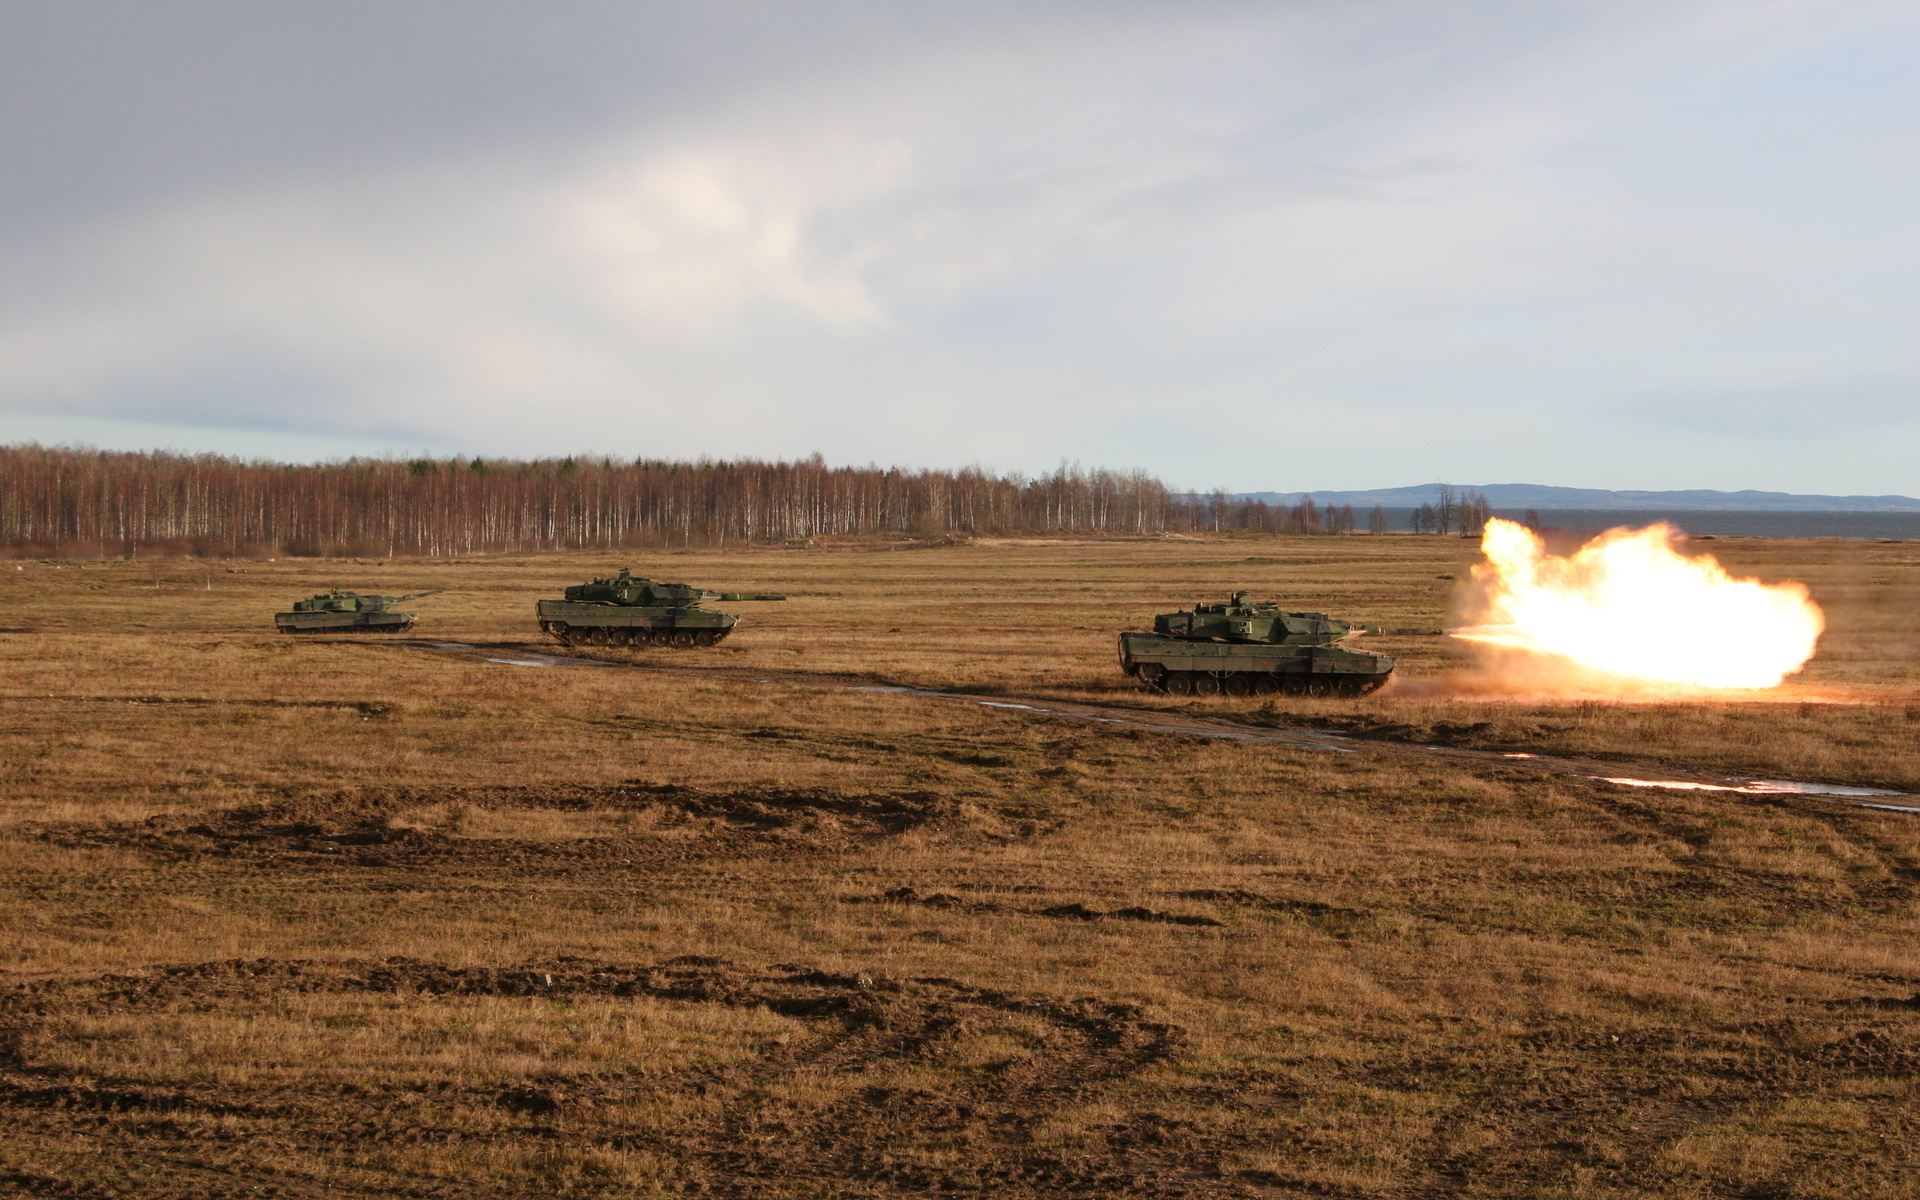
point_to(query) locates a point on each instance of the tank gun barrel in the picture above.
(416, 596)
(733, 596)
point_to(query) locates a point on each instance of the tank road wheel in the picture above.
(1237, 685)
(682, 638)
(1180, 683)
(1265, 685)
(621, 637)
(1292, 685)
(600, 637)
(1206, 685)
(704, 638)
(1153, 675)
(579, 637)
(1320, 687)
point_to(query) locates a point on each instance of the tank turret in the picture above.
(631, 610)
(1248, 621)
(338, 611)
(1247, 646)
(632, 591)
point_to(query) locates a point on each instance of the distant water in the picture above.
(1744, 524)
(1903, 526)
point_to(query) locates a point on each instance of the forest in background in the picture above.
(64, 501)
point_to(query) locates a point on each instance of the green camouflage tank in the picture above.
(1245, 647)
(628, 610)
(348, 612)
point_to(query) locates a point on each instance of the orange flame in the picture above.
(1630, 605)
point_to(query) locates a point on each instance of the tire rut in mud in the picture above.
(867, 1103)
(436, 826)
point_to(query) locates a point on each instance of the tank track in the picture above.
(1262, 683)
(628, 636)
(347, 629)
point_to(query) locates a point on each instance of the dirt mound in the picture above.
(1245, 899)
(1063, 912)
(476, 825)
(887, 1072)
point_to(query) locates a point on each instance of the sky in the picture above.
(1329, 244)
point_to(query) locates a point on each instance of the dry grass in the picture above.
(1419, 977)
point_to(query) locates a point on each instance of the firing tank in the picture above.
(1248, 647)
(348, 612)
(627, 610)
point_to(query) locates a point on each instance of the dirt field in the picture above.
(310, 917)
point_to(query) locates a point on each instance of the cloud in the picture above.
(1216, 241)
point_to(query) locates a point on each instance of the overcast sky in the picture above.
(1332, 244)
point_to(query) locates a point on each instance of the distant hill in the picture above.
(1540, 496)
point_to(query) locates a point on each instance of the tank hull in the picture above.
(1191, 667)
(343, 622)
(587, 623)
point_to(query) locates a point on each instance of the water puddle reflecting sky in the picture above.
(1753, 787)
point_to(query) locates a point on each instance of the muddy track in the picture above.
(860, 1134)
(421, 826)
(1622, 773)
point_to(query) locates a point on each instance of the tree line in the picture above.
(72, 501)
(83, 501)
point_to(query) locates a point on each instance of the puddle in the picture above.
(1754, 787)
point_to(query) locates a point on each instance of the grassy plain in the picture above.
(308, 917)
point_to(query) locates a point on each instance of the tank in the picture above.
(1248, 647)
(348, 612)
(628, 610)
